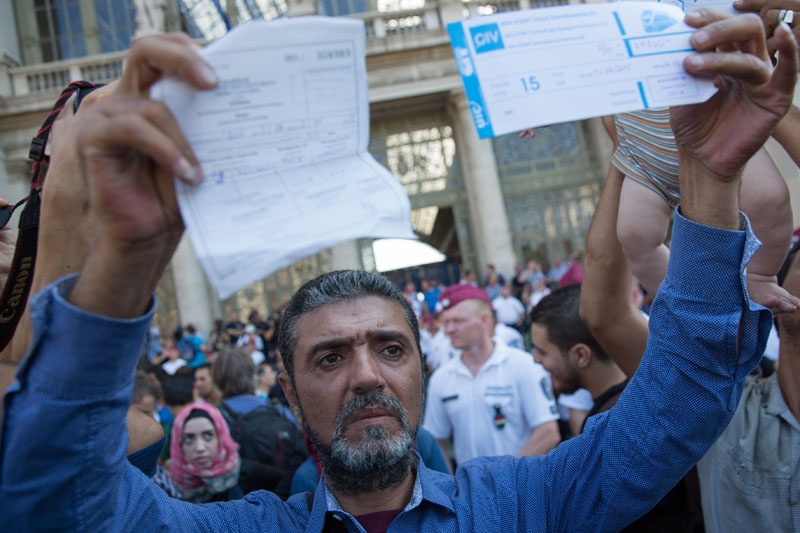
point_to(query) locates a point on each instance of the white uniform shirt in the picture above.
(508, 309)
(425, 341)
(249, 339)
(466, 406)
(773, 345)
(440, 350)
(580, 400)
(509, 336)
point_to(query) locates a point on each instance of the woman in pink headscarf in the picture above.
(204, 459)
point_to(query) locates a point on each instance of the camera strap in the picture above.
(20, 277)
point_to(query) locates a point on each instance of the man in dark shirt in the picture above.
(234, 328)
(563, 344)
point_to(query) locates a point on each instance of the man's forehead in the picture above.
(363, 313)
(537, 330)
(465, 307)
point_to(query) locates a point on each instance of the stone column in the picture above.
(487, 209)
(193, 294)
(346, 255)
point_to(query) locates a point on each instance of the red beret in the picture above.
(458, 293)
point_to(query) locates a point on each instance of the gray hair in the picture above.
(331, 288)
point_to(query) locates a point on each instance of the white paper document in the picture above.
(726, 6)
(548, 65)
(282, 142)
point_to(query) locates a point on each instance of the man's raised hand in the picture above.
(129, 148)
(725, 131)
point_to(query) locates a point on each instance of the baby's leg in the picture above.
(765, 198)
(642, 227)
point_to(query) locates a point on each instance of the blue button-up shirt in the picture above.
(63, 453)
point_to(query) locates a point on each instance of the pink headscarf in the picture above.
(189, 477)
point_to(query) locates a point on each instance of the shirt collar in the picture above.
(775, 403)
(499, 355)
(425, 489)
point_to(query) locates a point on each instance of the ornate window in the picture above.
(552, 223)
(558, 146)
(551, 184)
(59, 30)
(420, 151)
(115, 24)
(336, 8)
(208, 19)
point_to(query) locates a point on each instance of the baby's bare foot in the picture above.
(765, 290)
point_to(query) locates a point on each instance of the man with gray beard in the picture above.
(351, 342)
(382, 460)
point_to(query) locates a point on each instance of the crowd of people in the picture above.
(233, 376)
(369, 407)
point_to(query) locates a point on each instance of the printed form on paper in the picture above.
(282, 142)
(726, 6)
(549, 65)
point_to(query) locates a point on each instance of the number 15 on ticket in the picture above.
(549, 65)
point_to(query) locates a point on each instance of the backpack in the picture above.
(270, 448)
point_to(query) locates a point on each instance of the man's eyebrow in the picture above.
(389, 335)
(373, 334)
(330, 344)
